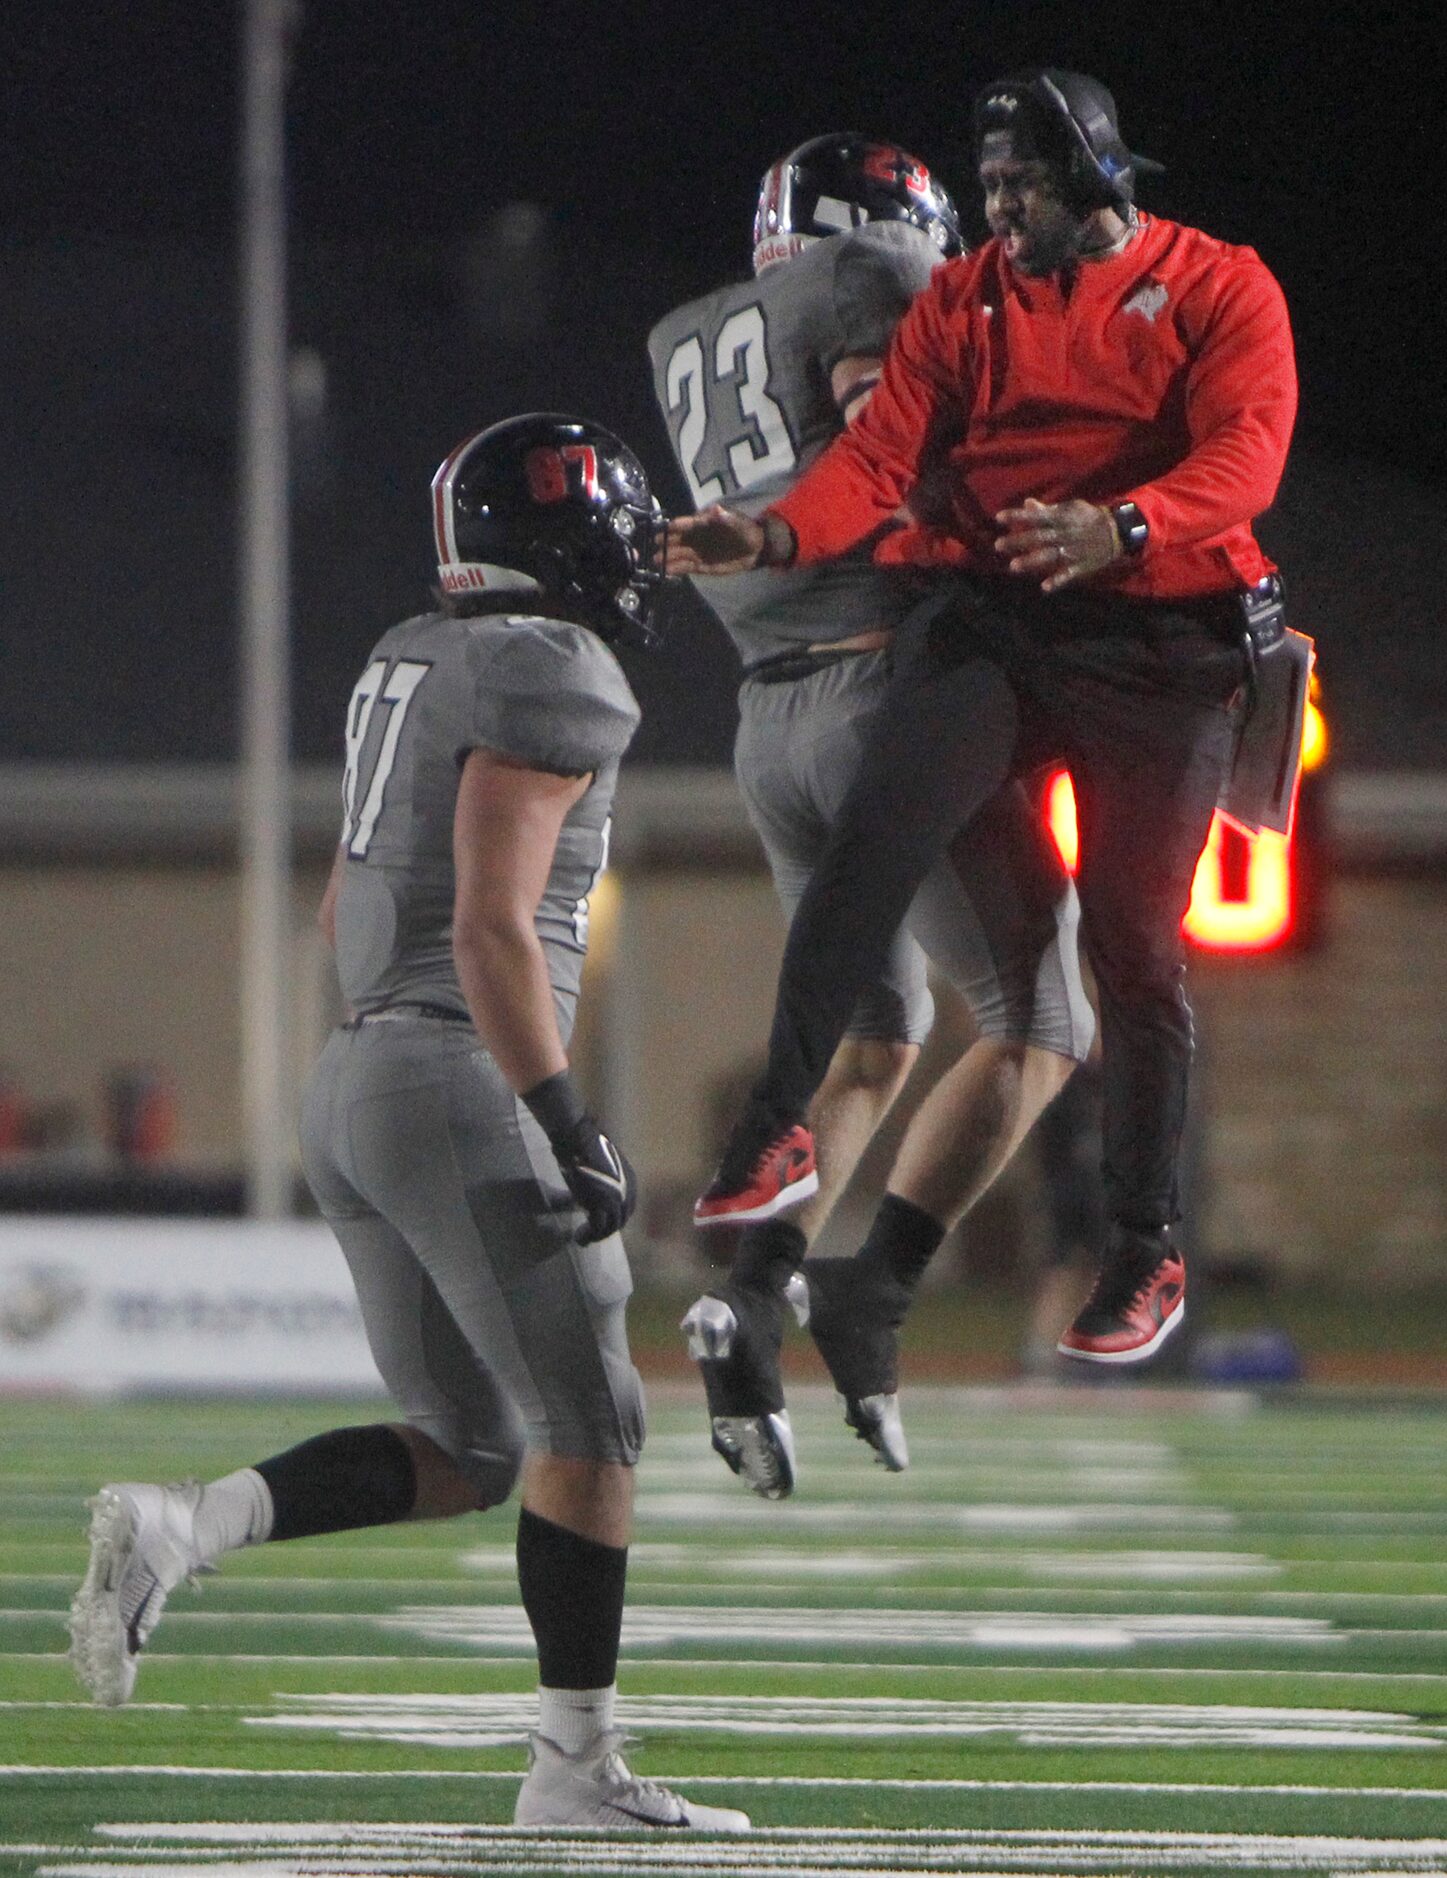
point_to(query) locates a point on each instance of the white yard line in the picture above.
(662, 1556)
(791, 1666)
(781, 1852)
(484, 1721)
(503, 1623)
(664, 1624)
(980, 1549)
(131, 1770)
(1058, 1604)
(725, 1507)
(794, 1665)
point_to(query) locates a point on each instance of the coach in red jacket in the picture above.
(1084, 416)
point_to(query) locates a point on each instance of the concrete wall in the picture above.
(1324, 1075)
(1326, 1085)
(112, 965)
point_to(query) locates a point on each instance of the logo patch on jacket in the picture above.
(1147, 300)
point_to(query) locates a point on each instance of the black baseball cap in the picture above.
(1050, 114)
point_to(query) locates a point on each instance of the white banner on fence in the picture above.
(110, 1304)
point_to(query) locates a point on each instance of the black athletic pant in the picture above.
(1136, 699)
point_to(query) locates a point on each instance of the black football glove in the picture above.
(598, 1173)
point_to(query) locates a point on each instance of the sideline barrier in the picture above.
(123, 1304)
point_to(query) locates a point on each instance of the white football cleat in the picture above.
(877, 1420)
(596, 1788)
(142, 1545)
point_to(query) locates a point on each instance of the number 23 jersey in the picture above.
(542, 691)
(742, 378)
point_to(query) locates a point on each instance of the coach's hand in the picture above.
(1057, 542)
(597, 1172)
(722, 541)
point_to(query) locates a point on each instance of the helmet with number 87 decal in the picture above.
(555, 505)
(841, 181)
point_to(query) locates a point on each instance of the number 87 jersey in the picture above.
(546, 693)
(742, 377)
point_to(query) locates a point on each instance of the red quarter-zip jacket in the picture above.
(1163, 376)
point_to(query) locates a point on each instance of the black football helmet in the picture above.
(551, 504)
(840, 181)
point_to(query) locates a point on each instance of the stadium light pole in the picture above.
(264, 613)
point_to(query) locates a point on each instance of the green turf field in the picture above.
(1091, 1631)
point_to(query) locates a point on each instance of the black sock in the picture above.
(572, 1590)
(769, 1255)
(338, 1481)
(902, 1240)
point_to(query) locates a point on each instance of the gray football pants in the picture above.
(1010, 950)
(490, 1327)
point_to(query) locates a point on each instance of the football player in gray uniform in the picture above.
(476, 1200)
(754, 381)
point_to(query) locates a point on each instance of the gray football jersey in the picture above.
(742, 377)
(546, 692)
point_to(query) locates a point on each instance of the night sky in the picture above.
(1302, 131)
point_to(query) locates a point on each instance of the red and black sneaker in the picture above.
(767, 1166)
(1138, 1301)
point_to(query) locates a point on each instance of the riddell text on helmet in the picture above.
(461, 579)
(780, 248)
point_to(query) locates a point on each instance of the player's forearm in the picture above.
(504, 977)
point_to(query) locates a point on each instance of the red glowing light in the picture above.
(1060, 814)
(1241, 898)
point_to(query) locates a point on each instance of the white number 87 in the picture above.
(395, 689)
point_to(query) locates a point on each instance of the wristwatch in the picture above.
(1132, 527)
(781, 544)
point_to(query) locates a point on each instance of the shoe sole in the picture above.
(1140, 1354)
(794, 1194)
(99, 1651)
(760, 1450)
(549, 1815)
(616, 1819)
